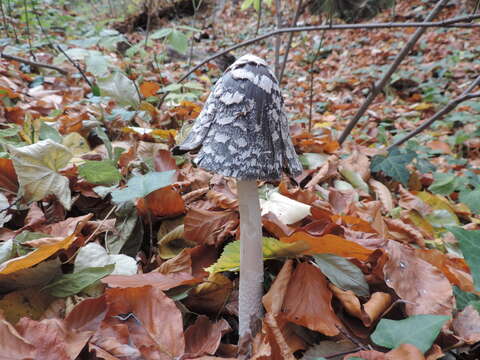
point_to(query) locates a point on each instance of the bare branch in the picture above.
(466, 95)
(456, 22)
(290, 39)
(378, 87)
(33, 63)
(278, 38)
(82, 73)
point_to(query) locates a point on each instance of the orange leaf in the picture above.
(330, 244)
(308, 301)
(8, 176)
(162, 202)
(149, 88)
(211, 295)
(13, 345)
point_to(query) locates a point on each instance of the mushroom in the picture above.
(242, 132)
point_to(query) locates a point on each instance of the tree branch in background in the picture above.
(298, 11)
(378, 87)
(259, 17)
(456, 22)
(278, 38)
(466, 95)
(33, 63)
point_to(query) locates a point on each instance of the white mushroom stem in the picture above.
(251, 257)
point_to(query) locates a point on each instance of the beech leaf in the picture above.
(272, 248)
(419, 330)
(342, 273)
(71, 284)
(37, 168)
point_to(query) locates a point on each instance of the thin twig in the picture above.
(278, 38)
(290, 39)
(312, 76)
(192, 39)
(33, 63)
(378, 87)
(466, 95)
(28, 30)
(4, 19)
(346, 334)
(149, 17)
(82, 73)
(42, 29)
(456, 22)
(331, 356)
(259, 17)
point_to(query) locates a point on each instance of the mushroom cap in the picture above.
(242, 131)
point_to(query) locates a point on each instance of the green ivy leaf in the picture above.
(472, 200)
(394, 164)
(469, 241)
(444, 184)
(71, 284)
(463, 299)
(342, 273)
(142, 185)
(102, 172)
(419, 330)
(160, 34)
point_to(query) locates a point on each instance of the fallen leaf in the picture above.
(203, 337)
(13, 345)
(210, 296)
(383, 194)
(209, 227)
(8, 176)
(160, 281)
(162, 202)
(308, 301)
(430, 293)
(330, 244)
(466, 325)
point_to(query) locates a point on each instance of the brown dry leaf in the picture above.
(273, 299)
(160, 281)
(112, 342)
(368, 355)
(403, 352)
(425, 287)
(162, 202)
(203, 337)
(157, 329)
(434, 353)
(328, 170)
(341, 201)
(357, 163)
(466, 325)
(376, 305)
(8, 176)
(330, 244)
(34, 218)
(308, 301)
(13, 345)
(404, 232)
(182, 263)
(353, 222)
(202, 257)
(221, 193)
(455, 269)
(411, 202)
(274, 226)
(383, 194)
(164, 161)
(210, 296)
(65, 227)
(209, 227)
(297, 193)
(440, 146)
(52, 338)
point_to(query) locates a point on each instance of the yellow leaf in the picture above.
(146, 106)
(30, 303)
(164, 134)
(422, 106)
(272, 248)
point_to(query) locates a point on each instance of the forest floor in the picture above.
(113, 248)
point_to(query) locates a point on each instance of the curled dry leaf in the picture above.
(221, 193)
(203, 337)
(210, 296)
(308, 301)
(383, 194)
(274, 226)
(273, 299)
(404, 232)
(358, 163)
(430, 293)
(369, 312)
(411, 202)
(327, 171)
(270, 343)
(163, 161)
(466, 325)
(209, 227)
